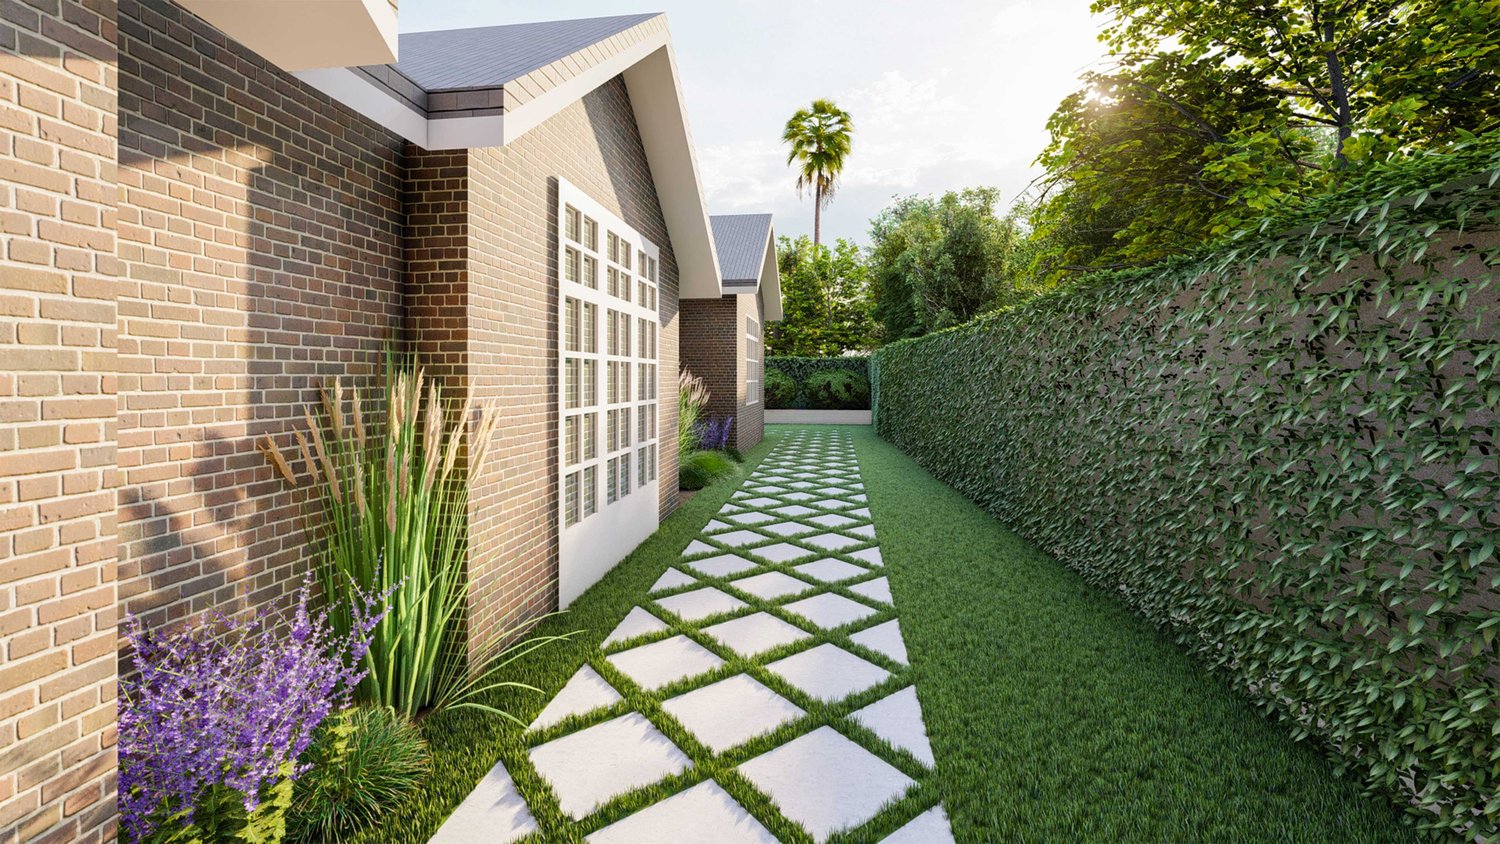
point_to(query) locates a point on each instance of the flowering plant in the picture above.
(213, 718)
(713, 434)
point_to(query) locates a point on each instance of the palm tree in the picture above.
(819, 141)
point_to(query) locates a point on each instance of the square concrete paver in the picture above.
(698, 546)
(781, 552)
(700, 603)
(833, 541)
(723, 565)
(752, 518)
(493, 813)
(759, 502)
(830, 570)
(863, 512)
(832, 520)
(930, 827)
(659, 663)
(731, 712)
(829, 610)
(715, 526)
(879, 589)
(584, 692)
(771, 584)
(795, 510)
(832, 504)
(869, 555)
(671, 579)
(798, 496)
(637, 623)
(788, 529)
(740, 538)
(588, 768)
(828, 672)
(825, 782)
(867, 531)
(755, 633)
(897, 718)
(883, 639)
(704, 813)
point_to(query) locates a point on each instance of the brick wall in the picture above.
(493, 307)
(260, 237)
(57, 415)
(713, 348)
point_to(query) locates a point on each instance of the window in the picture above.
(570, 223)
(752, 361)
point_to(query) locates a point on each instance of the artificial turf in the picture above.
(1054, 713)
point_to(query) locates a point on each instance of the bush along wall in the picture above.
(800, 370)
(1285, 451)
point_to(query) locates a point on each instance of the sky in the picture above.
(944, 95)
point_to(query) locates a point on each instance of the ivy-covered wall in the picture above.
(1285, 450)
(799, 369)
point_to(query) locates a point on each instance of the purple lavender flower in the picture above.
(713, 434)
(230, 703)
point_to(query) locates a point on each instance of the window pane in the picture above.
(590, 273)
(590, 234)
(590, 436)
(570, 264)
(590, 328)
(590, 383)
(570, 499)
(590, 491)
(570, 223)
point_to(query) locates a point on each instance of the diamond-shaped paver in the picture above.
(493, 813)
(883, 639)
(715, 526)
(832, 520)
(659, 663)
(830, 570)
(755, 633)
(832, 490)
(704, 812)
(860, 498)
(637, 622)
(723, 565)
(759, 502)
(863, 512)
(731, 712)
(799, 496)
(700, 603)
(730, 508)
(828, 672)
(833, 541)
(794, 510)
(829, 610)
(593, 765)
(869, 555)
(780, 552)
(825, 782)
(897, 718)
(801, 485)
(585, 692)
(771, 490)
(930, 827)
(788, 529)
(752, 518)
(867, 531)
(697, 546)
(771, 584)
(879, 589)
(671, 579)
(832, 504)
(740, 538)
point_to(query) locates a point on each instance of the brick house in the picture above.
(203, 224)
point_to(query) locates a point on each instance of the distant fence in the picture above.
(1285, 451)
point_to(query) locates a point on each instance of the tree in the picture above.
(938, 262)
(825, 300)
(1216, 112)
(819, 141)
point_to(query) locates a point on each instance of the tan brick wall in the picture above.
(57, 421)
(498, 303)
(714, 347)
(260, 246)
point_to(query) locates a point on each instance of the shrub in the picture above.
(213, 719)
(781, 390)
(800, 369)
(713, 434)
(692, 399)
(363, 759)
(1283, 451)
(838, 390)
(702, 468)
(388, 508)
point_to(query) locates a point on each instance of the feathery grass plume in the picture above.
(390, 514)
(268, 447)
(307, 458)
(359, 418)
(333, 405)
(692, 401)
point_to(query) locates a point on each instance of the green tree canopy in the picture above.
(818, 140)
(1216, 112)
(937, 262)
(825, 300)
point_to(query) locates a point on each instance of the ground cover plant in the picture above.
(1054, 712)
(1283, 450)
(361, 760)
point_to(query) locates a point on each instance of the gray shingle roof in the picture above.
(740, 240)
(490, 56)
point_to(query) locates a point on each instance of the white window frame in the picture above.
(753, 362)
(593, 544)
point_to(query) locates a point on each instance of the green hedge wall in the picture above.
(800, 368)
(1294, 467)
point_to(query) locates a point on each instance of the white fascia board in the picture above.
(370, 100)
(305, 34)
(770, 282)
(657, 98)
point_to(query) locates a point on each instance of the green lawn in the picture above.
(1055, 714)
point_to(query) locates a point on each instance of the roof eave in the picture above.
(770, 281)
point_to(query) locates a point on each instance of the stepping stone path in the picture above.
(773, 647)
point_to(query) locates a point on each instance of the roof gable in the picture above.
(490, 56)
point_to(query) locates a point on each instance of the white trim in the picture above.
(754, 365)
(770, 283)
(370, 100)
(598, 541)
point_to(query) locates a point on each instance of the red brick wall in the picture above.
(260, 237)
(486, 316)
(57, 418)
(713, 348)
